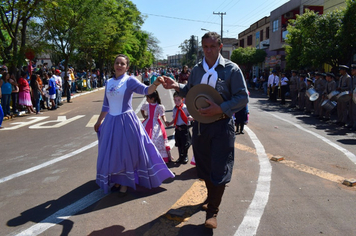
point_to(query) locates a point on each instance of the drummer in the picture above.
(293, 87)
(320, 84)
(344, 85)
(301, 91)
(330, 87)
(308, 103)
(353, 102)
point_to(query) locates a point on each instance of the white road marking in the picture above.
(61, 121)
(22, 124)
(251, 221)
(138, 109)
(63, 214)
(92, 121)
(349, 154)
(45, 164)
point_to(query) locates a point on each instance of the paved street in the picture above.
(48, 168)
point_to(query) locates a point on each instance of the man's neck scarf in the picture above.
(210, 73)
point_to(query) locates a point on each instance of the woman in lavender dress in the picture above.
(126, 155)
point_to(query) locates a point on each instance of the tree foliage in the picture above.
(248, 56)
(314, 39)
(15, 16)
(76, 31)
(190, 50)
(348, 31)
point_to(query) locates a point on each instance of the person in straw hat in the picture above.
(216, 89)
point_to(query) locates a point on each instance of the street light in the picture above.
(205, 29)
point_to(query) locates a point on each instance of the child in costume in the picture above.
(241, 119)
(153, 125)
(181, 122)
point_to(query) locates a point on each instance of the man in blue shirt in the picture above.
(52, 90)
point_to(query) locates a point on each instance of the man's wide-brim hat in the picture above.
(196, 98)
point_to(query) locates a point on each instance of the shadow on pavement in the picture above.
(52, 209)
(162, 225)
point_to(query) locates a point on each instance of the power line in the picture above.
(178, 18)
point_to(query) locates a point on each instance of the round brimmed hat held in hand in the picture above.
(196, 99)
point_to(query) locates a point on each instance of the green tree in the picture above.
(248, 56)
(189, 49)
(348, 31)
(153, 46)
(313, 40)
(63, 20)
(15, 16)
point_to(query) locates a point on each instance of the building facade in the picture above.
(330, 5)
(229, 45)
(175, 61)
(257, 36)
(279, 21)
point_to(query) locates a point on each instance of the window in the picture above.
(275, 26)
(261, 35)
(249, 40)
(267, 33)
(242, 43)
(284, 35)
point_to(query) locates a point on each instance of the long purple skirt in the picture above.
(127, 155)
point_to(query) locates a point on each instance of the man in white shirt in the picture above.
(59, 83)
(273, 81)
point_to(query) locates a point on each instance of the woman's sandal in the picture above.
(115, 188)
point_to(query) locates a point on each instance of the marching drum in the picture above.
(328, 104)
(344, 96)
(312, 94)
(332, 95)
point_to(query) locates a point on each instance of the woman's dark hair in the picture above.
(185, 67)
(4, 76)
(124, 56)
(155, 97)
(33, 82)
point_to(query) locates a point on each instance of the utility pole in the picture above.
(221, 14)
(196, 60)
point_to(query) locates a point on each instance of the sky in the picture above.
(172, 22)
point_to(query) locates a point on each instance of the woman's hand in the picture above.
(96, 126)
